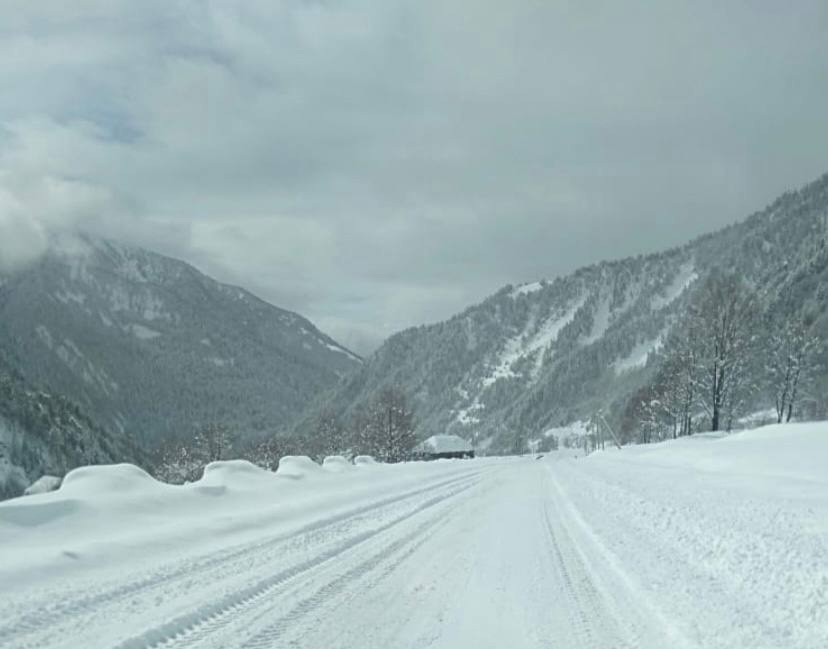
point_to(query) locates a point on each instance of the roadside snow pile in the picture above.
(336, 464)
(108, 481)
(796, 451)
(103, 516)
(364, 460)
(297, 466)
(236, 474)
(722, 537)
(43, 485)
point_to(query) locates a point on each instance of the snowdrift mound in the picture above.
(336, 464)
(43, 485)
(233, 474)
(34, 511)
(796, 451)
(297, 467)
(108, 480)
(364, 460)
(721, 536)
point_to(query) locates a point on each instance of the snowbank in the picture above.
(108, 480)
(43, 485)
(239, 475)
(106, 515)
(297, 467)
(336, 464)
(794, 451)
(723, 538)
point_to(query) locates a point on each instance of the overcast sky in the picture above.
(375, 164)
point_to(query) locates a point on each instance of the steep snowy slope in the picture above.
(549, 353)
(151, 347)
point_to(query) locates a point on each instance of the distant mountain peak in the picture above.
(151, 347)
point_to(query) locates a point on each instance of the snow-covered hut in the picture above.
(444, 446)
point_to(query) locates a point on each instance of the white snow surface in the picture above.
(710, 541)
(685, 276)
(526, 289)
(531, 342)
(142, 333)
(466, 416)
(601, 320)
(575, 429)
(638, 356)
(42, 485)
(337, 348)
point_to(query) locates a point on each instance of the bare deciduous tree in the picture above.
(184, 460)
(791, 351)
(385, 428)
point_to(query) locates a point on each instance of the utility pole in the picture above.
(611, 431)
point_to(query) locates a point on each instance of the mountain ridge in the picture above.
(151, 347)
(546, 354)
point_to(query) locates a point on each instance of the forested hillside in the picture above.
(41, 433)
(547, 354)
(152, 349)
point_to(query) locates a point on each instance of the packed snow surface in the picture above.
(709, 541)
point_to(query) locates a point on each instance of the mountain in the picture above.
(41, 433)
(550, 353)
(150, 347)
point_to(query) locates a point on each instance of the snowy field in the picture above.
(702, 542)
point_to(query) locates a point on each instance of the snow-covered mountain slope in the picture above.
(41, 433)
(548, 353)
(150, 347)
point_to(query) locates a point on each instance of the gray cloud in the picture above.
(377, 164)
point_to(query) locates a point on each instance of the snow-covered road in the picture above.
(693, 544)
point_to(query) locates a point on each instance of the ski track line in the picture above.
(571, 518)
(68, 606)
(199, 623)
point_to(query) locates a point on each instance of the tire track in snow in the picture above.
(334, 594)
(585, 613)
(189, 629)
(645, 622)
(69, 606)
(387, 557)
